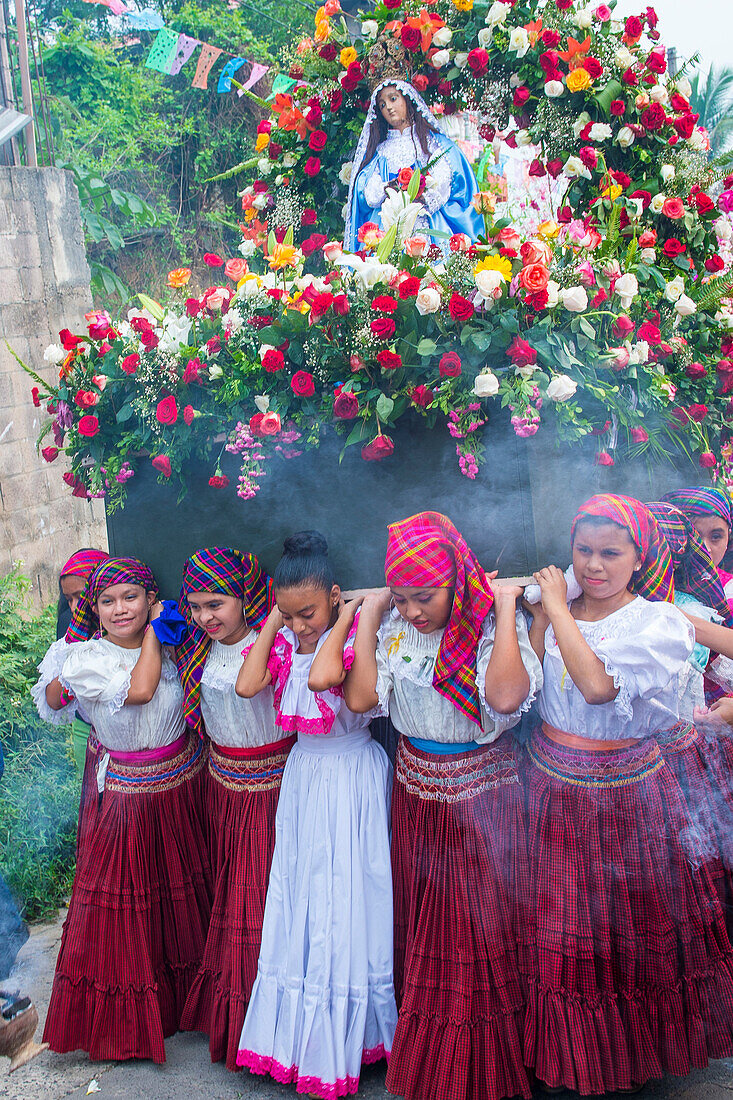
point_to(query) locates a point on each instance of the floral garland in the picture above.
(614, 319)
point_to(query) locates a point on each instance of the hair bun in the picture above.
(305, 544)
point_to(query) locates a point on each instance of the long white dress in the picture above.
(323, 1000)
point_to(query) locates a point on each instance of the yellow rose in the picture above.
(577, 80)
(263, 140)
(612, 192)
(347, 56)
(463, 5)
(547, 230)
(320, 15)
(179, 277)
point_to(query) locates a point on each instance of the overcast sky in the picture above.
(690, 25)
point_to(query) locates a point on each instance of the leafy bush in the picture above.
(40, 787)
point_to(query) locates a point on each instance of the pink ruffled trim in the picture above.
(294, 723)
(345, 1086)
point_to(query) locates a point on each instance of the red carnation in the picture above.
(218, 481)
(697, 412)
(629, 77)
(212, 260)
(521, 353)
(450, 365)
(313, 243)
(673, 248)
(603, 458)
(685, 125)
(589, 156)
(130, 363)
(327, 51)
(302, 384)
(308, 217)
(35, 397)
(188, 414)
(379, 448)
(633, 28)
(167, 411)
(389, 360)
(273, 360)
(639, 435)
(653, 117)
(341, 305)
(345, 406)
(68, 341)
(88, 426)
(385, 303)
(383, 327)
(409, 287)
(317, 141)
(163, 464)
(460, 308)
(337, 98)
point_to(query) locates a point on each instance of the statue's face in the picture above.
(393, 106)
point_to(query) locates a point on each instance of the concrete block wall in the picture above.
(44, 287)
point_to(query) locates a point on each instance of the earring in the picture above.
(637, 568)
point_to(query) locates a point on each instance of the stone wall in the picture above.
(44, 287)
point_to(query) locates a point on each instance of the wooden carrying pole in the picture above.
(29, 135)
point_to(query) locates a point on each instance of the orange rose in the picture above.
(548, 229)
(322, 31)
(236, 269)
(263, 140)
(536, 252)
(578, 80)
(179, 277)
(347, 56)
(534, 278)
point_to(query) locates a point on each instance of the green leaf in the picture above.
(426, 346)
(613, 90)
(413, 185)
(586, 327)
(481, 340)
(385, 405)
(154, 308)
(124, 414)
(387, 243)
(289, 235)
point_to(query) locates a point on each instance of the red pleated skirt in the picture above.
(136, 927)
(459, 866)
(89, 798)
(242, 796)
(632, 971)
(703, 767)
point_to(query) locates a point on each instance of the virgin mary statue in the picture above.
(401, 131)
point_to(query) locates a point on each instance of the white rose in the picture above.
(262, 403)
(723, 229)
(526, 372)
(657, 203)
(635, 208)
(553, 294)
(659, 93)
(461, 60)
(697, 141)
(648, 255)
(561, 388)
(674, 288)
(624, 58)
(574, 298)
(724, 319)
(625, 137)
(369, 28)
(626, 289)
(667, 172)
(264, 348)
(514, 80)
(288, 160)
(250, 288)
(600, 131)
(345, 172)
(489, 284)
(259, 202)
(583, 19)
(485, 37)
(611, 269)
(523, 138)
(497, 14)
(684, 87)
(486, 384)
(264, 166)
(233, 320)
(247, 249)
(215, 371)
(554, 89)
(519, 41)
(54, 355)
(442, 37)
(685, 306)
(440, 58)
(639, 353)
(427, 301)
(580, 123)
(574, 166)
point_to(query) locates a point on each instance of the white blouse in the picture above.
(229, 720)
(98, 672)
(644, 646)
(401, 150)
(405, 662)
(300, 710)
(50, 669)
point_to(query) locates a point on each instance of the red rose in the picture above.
(563, 5)
(163, 464)
(35, 397)
(657, 60)
(86, 399)
(130, 363)
(697, 412)
(695, 370)
(167, 411)
(714, 263)
(623, 326)
(679, 103)
(450, 365)
(270, 423)
(680, 415)
(410, 37)
(422, 396)
(521, 353)
(548, 62)
(389, 360)
(385, 303)
(521, 95)
(273, 360)
(409, 287)
(50, 454)
(312, 167)
(188, 414)
(653, 117)
(302, 384)
(639, 435)
(603, 458)
(593, 67)
(589, 156)
(685, 125)
(337, 98)
(219, 481)
(392, 4)
(149, 339)
(317, 141)
(313, 243)
(460, 308)
(478, 61)
(630, 78)
(191, 372)
(264, 127)
(345, 406)
(708, 460)
(649, 332)
(537, 168)
(255, 424)
(193, 307)
(327, 51)
(380, 447)
(554, 167)
(726, 346)
(673, 209)
(88, 426)
(383, 327)
(420, 81)
(212, 260)
(702, 203)
(618, 107)
(550, 38)
(633, 28)
(673, 248)
(308, 217)
(648, 239)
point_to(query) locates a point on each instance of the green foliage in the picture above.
(712, 99)
(40, 787)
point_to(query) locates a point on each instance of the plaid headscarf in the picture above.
(85, 621)
(694, 571)
(701, 500)
(83, 562)
(216, 569)
(426, 551)
(655, 579)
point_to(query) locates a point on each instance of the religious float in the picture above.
(398, 333)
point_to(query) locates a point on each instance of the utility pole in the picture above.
(29, 134)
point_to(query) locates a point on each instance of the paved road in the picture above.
(188, 1072)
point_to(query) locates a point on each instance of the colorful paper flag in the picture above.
(226, 74)
(207, 59)
(184, 49)
(146, 20)
(258, 71)
(282, 84)
(162, 50)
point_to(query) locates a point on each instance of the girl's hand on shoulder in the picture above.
(349, 608)
(156, 611)
(275, 619)
(378, 602)
(506, 595)
(554, 589)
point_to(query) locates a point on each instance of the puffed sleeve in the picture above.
(50, 669)
(646, 655)
(92, 673)
(530, 660)
(385, 679)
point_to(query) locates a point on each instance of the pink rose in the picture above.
(509, 238)
(536, 252)
(270, 423)
(415, 247)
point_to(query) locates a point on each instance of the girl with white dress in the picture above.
(323, 1000)
(136, 926)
